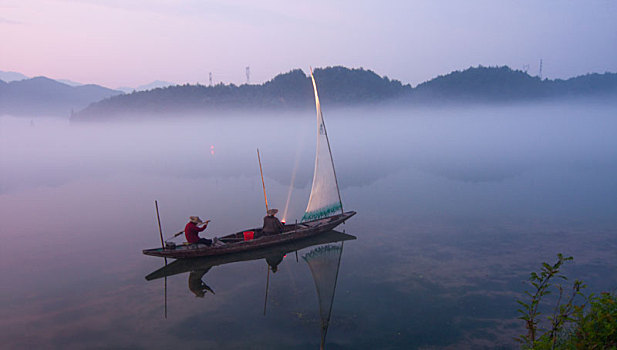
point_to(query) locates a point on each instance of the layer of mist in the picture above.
(521, 154)
(455, 207)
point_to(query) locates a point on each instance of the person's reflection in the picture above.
(196, 285)
(274, 261)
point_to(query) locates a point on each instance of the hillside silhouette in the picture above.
(292, 90)
(502, 84)
(340, 86)
(41, 96)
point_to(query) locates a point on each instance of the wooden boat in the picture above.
(321, 215)
(236, 242)
(203, 263)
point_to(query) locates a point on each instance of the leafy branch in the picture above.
(562, 312)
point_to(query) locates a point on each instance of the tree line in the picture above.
(341, 86)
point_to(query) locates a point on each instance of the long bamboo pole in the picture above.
(263, 184)
(158, 219)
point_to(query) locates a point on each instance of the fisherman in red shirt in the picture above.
(192, 229)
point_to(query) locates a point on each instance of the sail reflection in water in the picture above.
(324, 263)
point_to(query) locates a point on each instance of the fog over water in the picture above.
(456, 205)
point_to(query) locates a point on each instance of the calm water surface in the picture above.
(455, 208)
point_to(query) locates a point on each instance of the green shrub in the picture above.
(576, 322)
(597, 329)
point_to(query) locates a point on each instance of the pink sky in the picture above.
(128, 43)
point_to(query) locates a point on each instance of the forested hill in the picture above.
(337, 86)
(502, 84)
(340, 86)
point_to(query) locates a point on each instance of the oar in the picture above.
(177, 234)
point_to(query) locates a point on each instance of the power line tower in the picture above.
(540, 73)
(210, 78)
(248, 75)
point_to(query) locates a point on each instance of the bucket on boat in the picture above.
(248, 235)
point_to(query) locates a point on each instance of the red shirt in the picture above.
(191, 231)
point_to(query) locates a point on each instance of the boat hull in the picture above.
(235, 242)
(206, 262)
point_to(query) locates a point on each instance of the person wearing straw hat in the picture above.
(272, 225)
(192, 229)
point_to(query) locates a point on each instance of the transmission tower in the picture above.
(248, 75)
(210, 78)
(540, 73)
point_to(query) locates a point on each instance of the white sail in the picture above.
(325, 198)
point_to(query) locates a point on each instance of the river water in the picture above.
(456, 206)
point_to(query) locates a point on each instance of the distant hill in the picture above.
(337, 85)
(153, 85)
(14, 76)
(47, 97)
(69, 82)
(502, 84)
(11, 76)
(340, 86)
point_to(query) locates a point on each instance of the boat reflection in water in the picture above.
(323, 261)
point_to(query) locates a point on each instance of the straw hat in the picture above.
(195, 219)
(272, 212)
